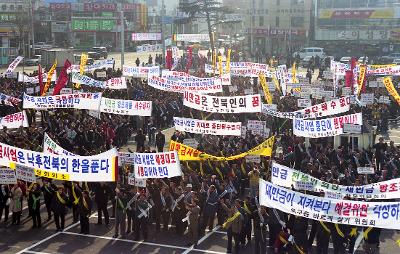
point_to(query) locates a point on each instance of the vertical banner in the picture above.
(14, 64)
(228, 61)
(361, 79)
(263, 82)
(214, 60)
(220, 65)
(40, 79)
(168, 59)
(190, 59)
(84, 58)
(387, 81)
(49, 75)
(294, 80)
(62, 79)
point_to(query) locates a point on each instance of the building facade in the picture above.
(372, 26)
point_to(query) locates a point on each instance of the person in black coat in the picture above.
(48, 190)
(34, 205)
(160, 141)
(84, 210)
(4, 195)
(260, 218)
(140, 138)
(102, 194)
(59, 207)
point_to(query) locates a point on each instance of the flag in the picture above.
(84, 58)
(228, 61)
(220, 65)
(189, 62)
(40, 79)
(62, 79)
(168, 59)
(49, 76)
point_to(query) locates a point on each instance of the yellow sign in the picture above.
(53, 175)
(49, 76)
(84, 58)
(263, 82)
(363, 71)
(377, 66)
(276, 83)
(220, 65)
(294, 79)
(187, 153)
(228, 61)
(214, 59)
(387, 81)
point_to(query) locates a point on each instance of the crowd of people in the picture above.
(209, 193)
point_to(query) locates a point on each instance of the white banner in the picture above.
(385, 71)
(157, 165)
(286, 177)
(253, 159)
(327, 127)
(108, 63)
(367, 99)
(140, 72)
(367, 214)
(149, 48)
(25, 174)
(207, 127)
(333, 107)
(192, 37)
(258, 127)
(50, 146)
(240, 72)
(113, 83)
(303, 103)
(9, 100)
(366, 170)
(35, 80)
(14, 64)
(126, 107)
(136, 181)
(146, 36)
(7, 176)
(14, 121)
(66, 90)
(125, 158)
(234, 104)
(89, 101)
(98, 168)
(206, 86)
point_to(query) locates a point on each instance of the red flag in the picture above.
(40, 79)
(189, 62)
(168, 59)
(62, 79)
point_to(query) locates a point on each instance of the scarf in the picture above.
(229, 220)
(60, 199)
(35, 199)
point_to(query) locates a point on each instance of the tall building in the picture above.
(371, 26)
(276, 26)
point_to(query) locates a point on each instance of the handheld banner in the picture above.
(7, 176)
(78, 168)
(327, 127)
(136, 181)
(9, 100)
(25, 174)
(333, 107)
(113, 83)
(157, 165)
(140, 72)
(108, 63)
(356, 213)
(235, 104)
(14, 121)
(387, 81)
(187, 153)
(207, 127)
(89, 101)
(126, 107)
(14, 64)
(203, 86)
(286, 177)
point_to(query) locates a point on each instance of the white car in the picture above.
(35, 60)
(363, 59)
(312, 51)
(396, 61)
(345, 59)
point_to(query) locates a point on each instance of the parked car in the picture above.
(345, 59)
(35, 60)
(390, 58)
(102, 51)
(310, 52)
(305, 61)
(396, 61)
(77, 60)
(93, 54)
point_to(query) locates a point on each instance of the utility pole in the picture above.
(122, 38)
(163, 12)
(251, 26)
(32, 30)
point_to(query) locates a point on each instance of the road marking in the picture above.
(145, 243)
(51, 236)
(202, 240)
(36, 252)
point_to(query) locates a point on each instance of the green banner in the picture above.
(93, 24)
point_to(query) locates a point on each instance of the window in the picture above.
(297, 21)
(4, 7)
(261, 21)
(12, 7)
(277, 21)
(278, 2)
(20, 7)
